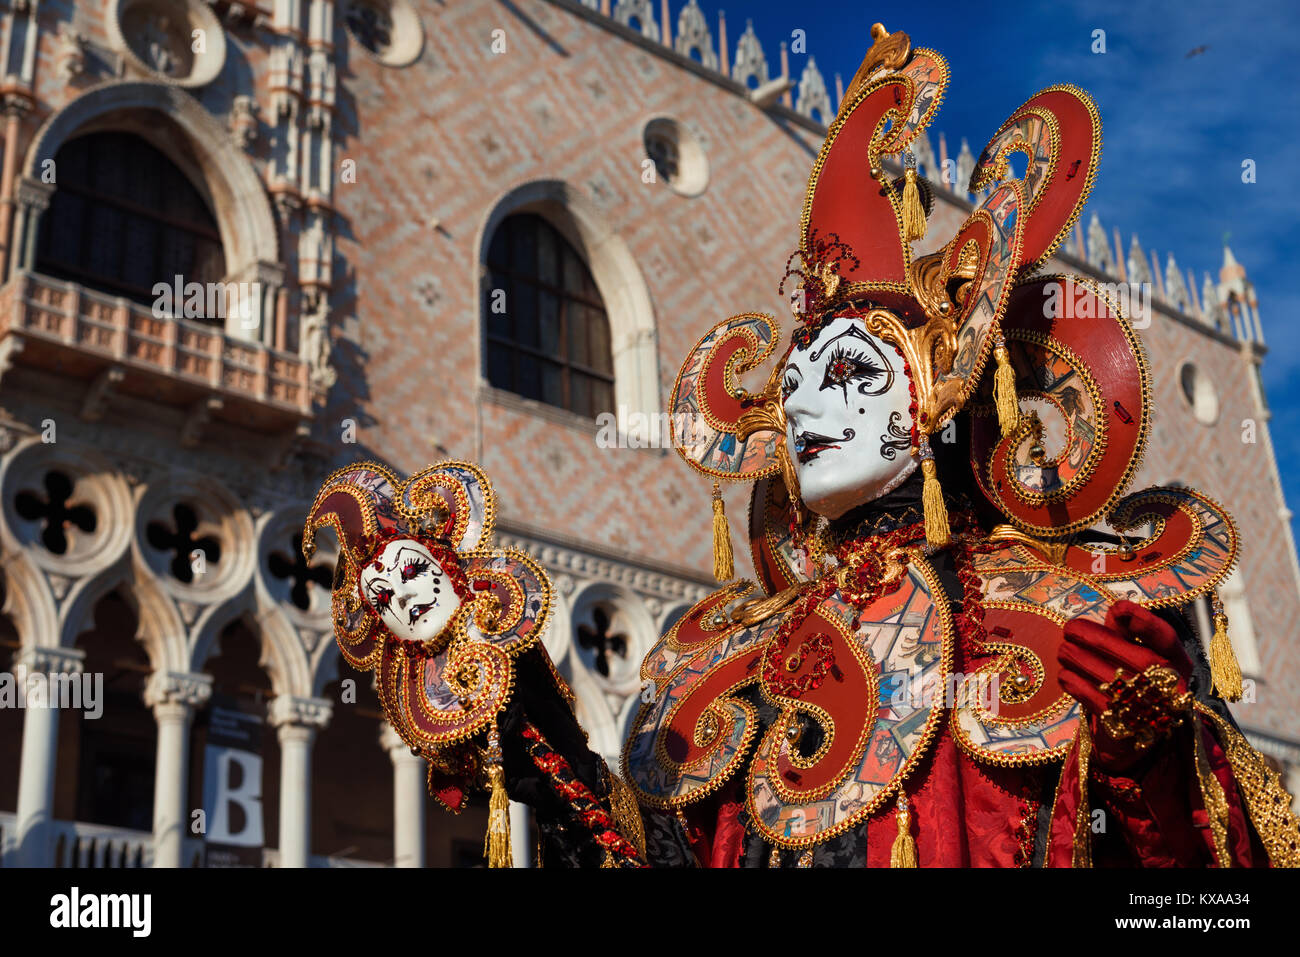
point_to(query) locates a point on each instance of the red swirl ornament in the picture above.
(1081, 372)
(1192, 547)
(707, 402)
(779, 561)
(1058, 130)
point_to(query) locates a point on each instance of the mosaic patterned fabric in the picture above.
(901, 645)
(1192, 547)
(1083, 383)
(689, 739)
(706, 410)
(896, 676)
(1026, 605)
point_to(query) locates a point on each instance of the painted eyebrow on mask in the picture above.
(853, 330)
(404, 550)
(397, 565)
(791, 378)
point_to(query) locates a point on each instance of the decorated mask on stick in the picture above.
(422, 597)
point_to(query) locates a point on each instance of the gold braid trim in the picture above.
(1267, 801)
(1216, 803)
(626, 812)
(1082, 856)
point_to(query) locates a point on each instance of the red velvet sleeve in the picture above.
(1160, 813)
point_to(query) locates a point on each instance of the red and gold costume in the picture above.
(958, 672)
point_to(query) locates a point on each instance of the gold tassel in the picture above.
(496, 843)
(1224, 668)
(937, 532)
(903, 853)
(914, 225)
(1004, 389)
(724, 564)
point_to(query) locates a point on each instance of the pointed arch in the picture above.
(177, 124)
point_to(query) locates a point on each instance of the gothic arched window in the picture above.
(124, 217)
(546, 331)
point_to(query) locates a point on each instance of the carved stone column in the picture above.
(16, 106)
(521, 834)
(32, 199)
(34, 827)
(173, 696)
(410, 776)
(296, 721)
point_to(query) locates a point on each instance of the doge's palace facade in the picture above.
(360, 179)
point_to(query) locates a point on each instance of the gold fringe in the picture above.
(496, 843)
(903, 853)
(937, 532)
(914, 225)
(1224, 668)
(724, 563)
(1004, 391)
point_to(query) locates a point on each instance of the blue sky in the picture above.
(1175, 128)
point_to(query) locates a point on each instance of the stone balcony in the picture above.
(78, 844)
(119, 346)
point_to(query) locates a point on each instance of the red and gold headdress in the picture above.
(945, 312)
(1060, 343)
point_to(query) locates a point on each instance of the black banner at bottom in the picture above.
(331, 907)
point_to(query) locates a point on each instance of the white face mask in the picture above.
(411, 593)
(847, 419)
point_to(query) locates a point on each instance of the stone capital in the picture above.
(176, 687)
(33, 194)
(397, 749)
(47, 660)
(292, 711)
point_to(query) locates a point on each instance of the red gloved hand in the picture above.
(1092, 653)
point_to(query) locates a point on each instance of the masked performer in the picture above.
(945, 666)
